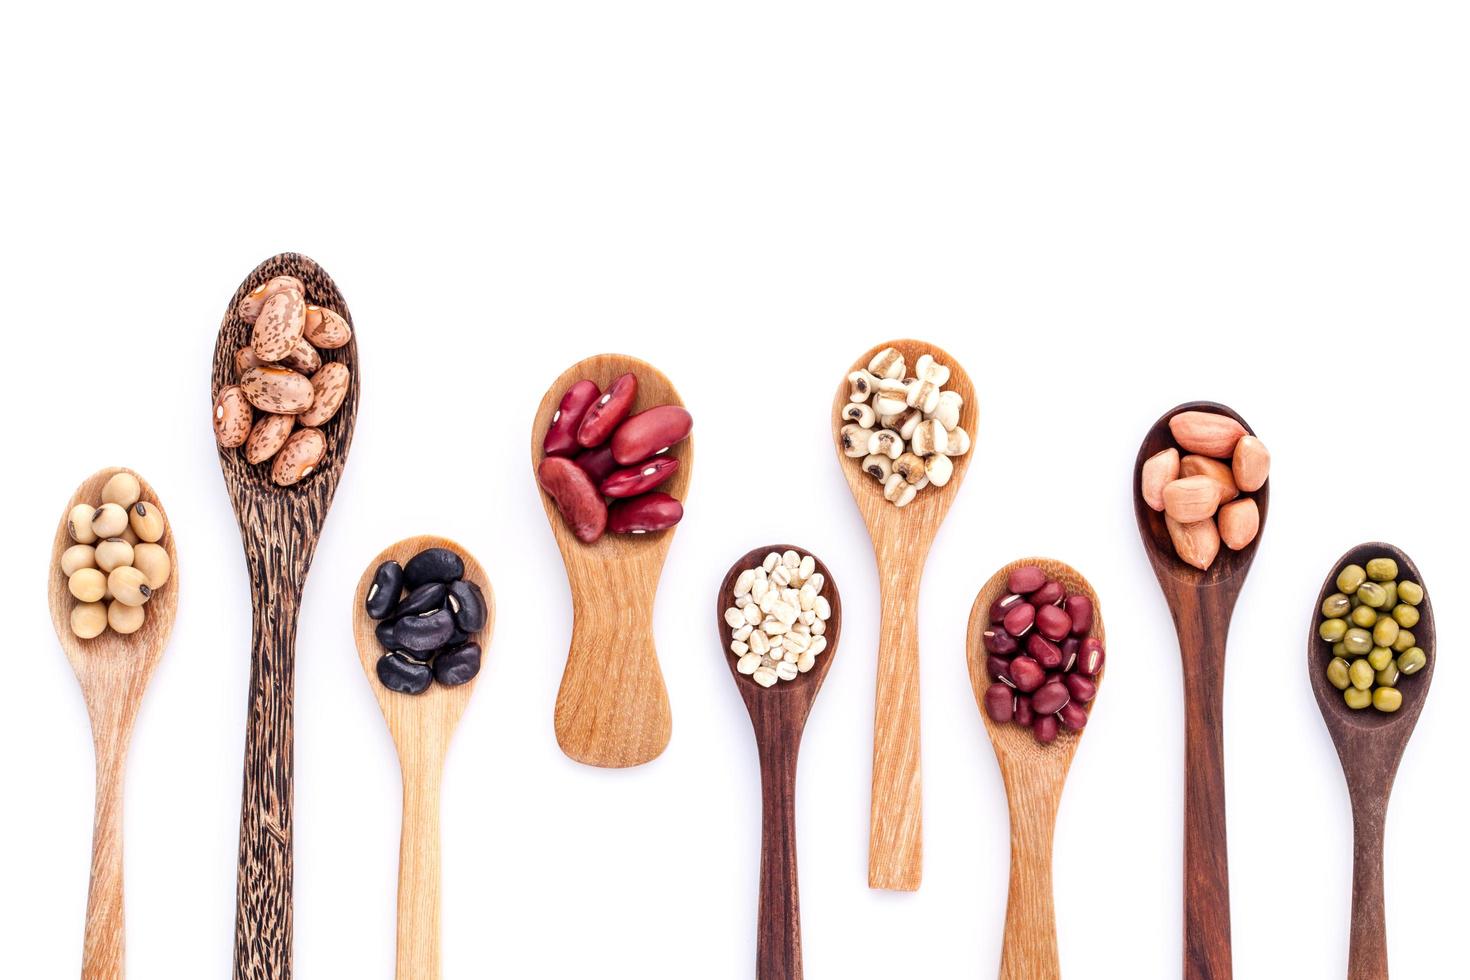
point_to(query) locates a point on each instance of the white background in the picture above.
(1102, 209)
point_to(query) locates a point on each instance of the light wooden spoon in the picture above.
(1034, 775)
(421, 726)
(778, 715)
(901, 540)
(612, 709)
(113, 670)
(1370, 744)
(279, 528)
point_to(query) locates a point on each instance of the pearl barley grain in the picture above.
(776, 635)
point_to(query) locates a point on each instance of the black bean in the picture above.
(467, 603)
(433, 565)
(423, 633)
(428, 596)
(386, 634)
(399, 673)
(455, 639)
(383, 595)
(458, 665)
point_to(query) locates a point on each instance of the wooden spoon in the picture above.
(901, 540)
(421, 726)
(1034, 775)
(778, 714)
(279, 527)
(1201, 603)
(113, 670)
(612, 709)
(1370, 744)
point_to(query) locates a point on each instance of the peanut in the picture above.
(1196, 544)
(1196, 465)
(1193, 498)
(1159, 470)
(1239, 522)
(1207, 433)
(1251, 463)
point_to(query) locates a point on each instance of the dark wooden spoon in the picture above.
(1201, 603)
(1370, 744)
(778, 715)
(279, 527)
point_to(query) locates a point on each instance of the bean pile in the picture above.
(602, 464)
(1204, 500)
(1050, 681)
(905, 429)
(1369, 623)
(117, 563)
(428, 615)
(779, 618)
(281, 375)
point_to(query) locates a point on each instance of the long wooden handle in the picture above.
(103, 944)
(778, 929)
(895, 842)
(1029, 948)
(1207, 953)
(419, 876)
(1368, 943)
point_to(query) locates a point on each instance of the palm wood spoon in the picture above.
(612, 709)
(901, 540)
(778, 714)
(1370, 745)
(113, 670)
(421, 726)
(1034, 775)
(279, 528)
(1201, 603)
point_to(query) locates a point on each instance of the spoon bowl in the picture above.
(1201, 602)
(901, 538)
(279, 529)
(779, 714)
(1034, 775)
(113, 671)
(612, 709)
(1370, 745)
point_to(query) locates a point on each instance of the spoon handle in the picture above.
(419, 875)
(1368, 943)
(103, 944)
(778, 930)
(896, 836)
(1029, 948)
(1207, 954)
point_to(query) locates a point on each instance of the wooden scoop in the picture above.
(901, 539)
(778, 714)
(1201, 603)
(421, 726)
(1370, 744)
(612, 709)
(113, 670)
(1034, 775)
(279, 527)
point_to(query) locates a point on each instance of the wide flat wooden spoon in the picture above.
(612, 709)
(279, 527)
(778, 714)
(1370, 745)
(1201, 603)
(1034, 775)
(113, 671)
(421, 726)
(901, 541)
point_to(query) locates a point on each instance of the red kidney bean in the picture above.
(580, 504)
(1070, 646)
(650, 433)
(1003, 605)
(561, 435)
(598, 463)
(1026, 579)
(1049, 594)
(997, 640)
(1027, 674)
(639, 479)
(1073, 715)
(1019, 619)
(1043, 651)
(608, 412)
(1045, 729)
(1090, 658)
(999, 668)
(1083, 689)
(1050, 697)
(656, 511)
(1000, 703)
(1024, 713)
(1079, 610)
(1052, 623)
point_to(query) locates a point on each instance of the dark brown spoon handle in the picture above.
(1368, 944)
(778, 930)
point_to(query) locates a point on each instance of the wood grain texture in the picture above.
(422, 726)
(1034, 775)
(113, 671)
(1370, 745)
(901, 541)
(1201, 603)
(612, 709)
(279, 528)
(778, 715)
